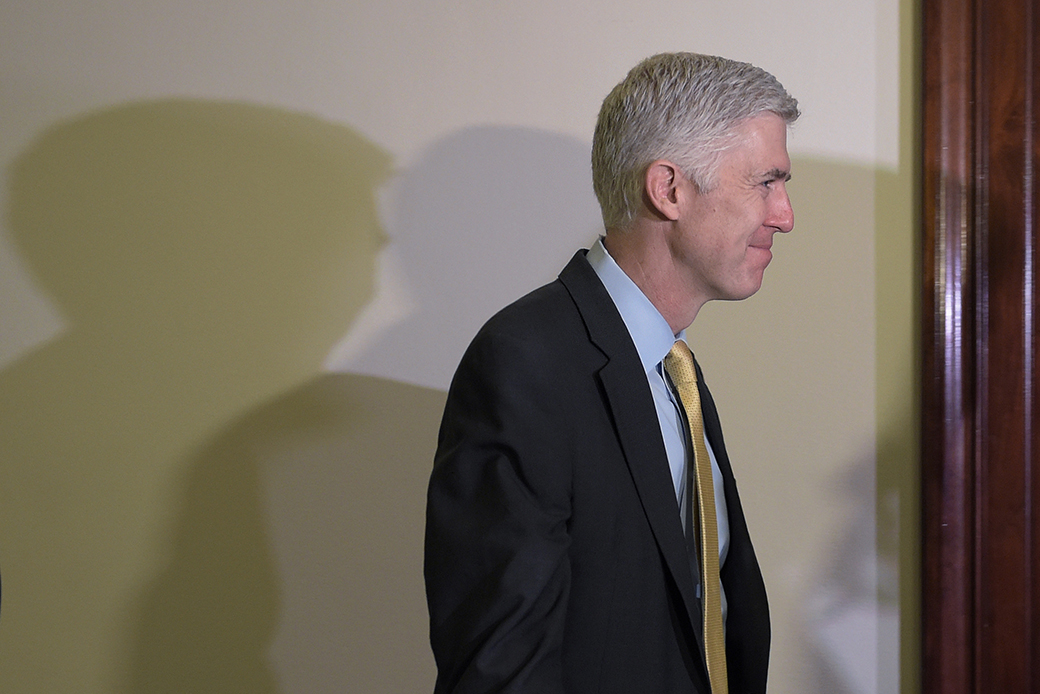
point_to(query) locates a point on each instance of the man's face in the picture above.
(723, 238)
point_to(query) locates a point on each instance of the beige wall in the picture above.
(242, 247)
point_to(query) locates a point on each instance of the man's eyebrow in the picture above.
(777, 174)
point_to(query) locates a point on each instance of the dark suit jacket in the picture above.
(555, 559)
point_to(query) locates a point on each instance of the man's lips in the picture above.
(763, 242)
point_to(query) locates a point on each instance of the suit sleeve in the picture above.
(496, 558)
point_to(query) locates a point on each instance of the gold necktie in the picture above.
(679, 365)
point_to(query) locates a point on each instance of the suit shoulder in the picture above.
(544, 308)
(566, 304)
(542, 328)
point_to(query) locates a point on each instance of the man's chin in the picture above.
(744, 292)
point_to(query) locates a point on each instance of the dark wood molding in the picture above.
(980, 443)
(947, 397)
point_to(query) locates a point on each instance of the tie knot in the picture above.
(679, 364)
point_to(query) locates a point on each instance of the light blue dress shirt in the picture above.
(654, 339)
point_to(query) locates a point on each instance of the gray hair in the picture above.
(678, 106)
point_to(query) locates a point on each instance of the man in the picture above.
(565, 546)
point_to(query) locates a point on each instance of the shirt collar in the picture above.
(649, 330)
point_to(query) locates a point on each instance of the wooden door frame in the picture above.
(980, 443)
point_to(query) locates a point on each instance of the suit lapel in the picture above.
(639, 431)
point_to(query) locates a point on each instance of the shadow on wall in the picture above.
(331, 594)
(207, 256)
(484, 216)
(852, 615)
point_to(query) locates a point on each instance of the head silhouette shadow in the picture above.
(211, 221)
(206, 256)
(485, 215)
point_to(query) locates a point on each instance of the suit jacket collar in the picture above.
(630, 402)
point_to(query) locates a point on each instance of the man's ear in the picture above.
(661, 184)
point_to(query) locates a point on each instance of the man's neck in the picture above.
(641, 251)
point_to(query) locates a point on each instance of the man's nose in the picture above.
(782, 214)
